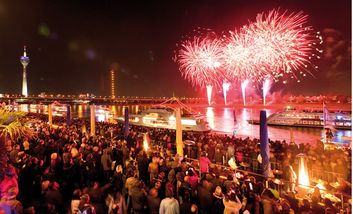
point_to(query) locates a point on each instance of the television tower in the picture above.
(24, 61)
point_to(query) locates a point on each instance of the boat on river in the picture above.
(164, 116)
(309, 118)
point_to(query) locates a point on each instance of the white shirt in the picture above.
(169, 206)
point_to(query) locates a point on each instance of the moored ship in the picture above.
(165, 117)
(309, 118)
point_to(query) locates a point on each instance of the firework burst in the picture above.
(277, 45)
(200, 60)
(283, 45)
(238, 56)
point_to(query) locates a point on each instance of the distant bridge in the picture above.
(130, 100)
(72, 99)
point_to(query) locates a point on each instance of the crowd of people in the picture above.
(63, 169)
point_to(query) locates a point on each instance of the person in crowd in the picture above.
(85, 207)
(204, 163)
(97, 196)
(153, 168)
(9, 203)
(185, 203)
(139, 198)
(118, 178)
(218, 156)
(169, 205)
(217, 201)
(106, 162)
(153, 201)
(231, 202)
(289, 175)
(142, 163)
(75, 201)
(204, 196)
(115, 201)
(229, 184)
(268, 201)
(53, 198)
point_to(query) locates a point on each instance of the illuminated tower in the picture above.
(112, 82)
(24, 61)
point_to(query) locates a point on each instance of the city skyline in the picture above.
(73, 46)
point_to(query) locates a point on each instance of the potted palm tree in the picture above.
(12, 126)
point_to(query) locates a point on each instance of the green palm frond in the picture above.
(12, 125)
(6, 116)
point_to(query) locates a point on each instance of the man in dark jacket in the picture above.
(153, 201)
(204, 196)
(97, 195)
(53, 198)
(142, 163)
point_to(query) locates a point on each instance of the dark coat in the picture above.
(118, 181)
(54, 197)
(153, 204)
(205, 200)
(217, 205)
(138, 199)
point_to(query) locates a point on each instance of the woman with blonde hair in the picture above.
(231, 202)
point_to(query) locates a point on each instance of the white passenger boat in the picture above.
(164, 116)
(309, 118)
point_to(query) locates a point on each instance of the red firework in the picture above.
(284, 44)
(200, 60)
(276, 45)
(239, 56)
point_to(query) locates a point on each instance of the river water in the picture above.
(221, 119)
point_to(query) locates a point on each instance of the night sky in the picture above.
(72, 45)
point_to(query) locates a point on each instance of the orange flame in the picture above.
(303, 174)
(145, 142)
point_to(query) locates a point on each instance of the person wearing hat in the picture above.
(217, 201)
